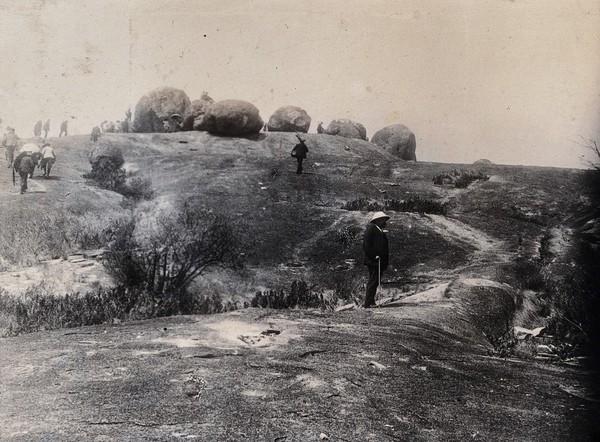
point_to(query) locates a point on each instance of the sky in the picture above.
(512, 81)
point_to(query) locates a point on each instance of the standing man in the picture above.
(95, 133)
(46, 128)
(10, 141)
(63, 128)
(376, 248)
(299, 152)
(37, 129)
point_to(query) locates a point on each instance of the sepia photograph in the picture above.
(285, 220)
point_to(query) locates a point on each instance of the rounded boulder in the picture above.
(157, 106)
(289, 119)
(347, 129)
(106, 153)
(194, 115)
(232, 118)
(398, 140)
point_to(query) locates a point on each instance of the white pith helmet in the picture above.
(379, 215)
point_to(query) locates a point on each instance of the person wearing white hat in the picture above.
(376, 249)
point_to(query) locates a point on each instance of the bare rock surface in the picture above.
(265, 375)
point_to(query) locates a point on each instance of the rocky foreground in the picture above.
(416, 370)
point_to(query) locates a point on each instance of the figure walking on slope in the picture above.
(376, 249)
(299, 152)
(37, 129)
(24, 165)
(10, 141)
(63, 128)
(46, 128)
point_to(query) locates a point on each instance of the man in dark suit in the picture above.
(376, 248)
(299, 152)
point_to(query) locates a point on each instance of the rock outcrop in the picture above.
(483, 161)
(398, 140)
(233, 118)
(347, 128)
(194, 115)
(106, 156)
(289, 119)
(157, 106)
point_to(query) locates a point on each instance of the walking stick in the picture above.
(378, 272)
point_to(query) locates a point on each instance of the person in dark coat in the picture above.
(95, 133)
(299, 152)
(37, 129)
(46, 128)
(376, 249)
(24, 166)
(63, 128)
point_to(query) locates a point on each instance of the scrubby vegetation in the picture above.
(165, 255)
(300, 295)
(416, 205)
(133, 187)
(27, 238)
(460, 178)
(38, 310)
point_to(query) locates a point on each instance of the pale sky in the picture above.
(516, 82)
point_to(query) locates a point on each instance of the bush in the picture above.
(137, 189)
(299, 296)
(37, 310)
(166, 257)
(460, 178)
(415, 205)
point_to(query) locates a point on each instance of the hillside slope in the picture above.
(424, 368)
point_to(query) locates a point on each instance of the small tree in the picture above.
(591, 145)
(173, 252)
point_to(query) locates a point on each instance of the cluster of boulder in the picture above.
(168, 109)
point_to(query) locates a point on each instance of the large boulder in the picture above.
(398, 140)
(347, 128)
(106, 155)
(157, 106)
(289, 119)
(194, 115)
(233, 118)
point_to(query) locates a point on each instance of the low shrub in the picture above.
(415, 205)
(36, 310)
(299, 296)
(460, 178)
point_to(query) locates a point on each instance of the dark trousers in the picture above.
(299, 169)
(372, 284)
(23, 176)
(10, 155)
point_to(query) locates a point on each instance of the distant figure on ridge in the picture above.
(299, 152)
(10, 141)
(37, 129)
(320, 129)
(95, 133)
(376, 249)
(63, 128)
(46, 128)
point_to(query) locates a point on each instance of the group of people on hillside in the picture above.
(28, 156)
